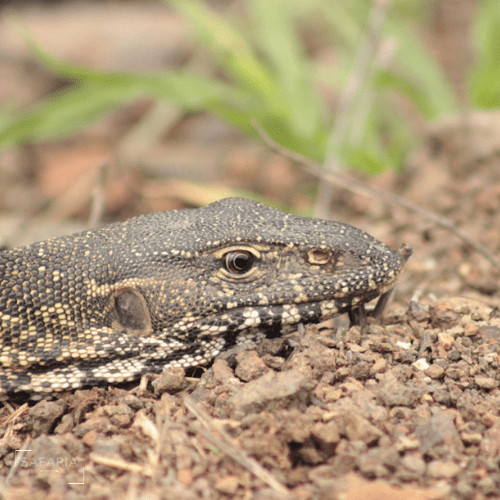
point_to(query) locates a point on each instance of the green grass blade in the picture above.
(98, 91)
(278, 40)
(345, 19)
(183, 88)
(72, 109)
(418, 66)
(62, 114)
(485, 77)
(229, 46)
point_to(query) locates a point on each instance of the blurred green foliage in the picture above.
(265, 73)
(485, 75)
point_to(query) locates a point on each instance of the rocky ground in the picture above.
(405, 408)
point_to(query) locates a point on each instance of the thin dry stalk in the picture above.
(355, 82)
(354, 186)
(98, 203)
(220, 439)
(10, 420)
(19, 455)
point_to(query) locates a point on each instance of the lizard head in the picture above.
(235, 266)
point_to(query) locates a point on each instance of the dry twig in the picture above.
(119, 463)
(19, 456)
(10, 420)
(220, 439)
(98, 199)
(358, 76)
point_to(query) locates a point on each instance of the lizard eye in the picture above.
(238, 261)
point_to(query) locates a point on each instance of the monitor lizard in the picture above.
(177, 288)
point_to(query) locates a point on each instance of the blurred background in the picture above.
(113, 109)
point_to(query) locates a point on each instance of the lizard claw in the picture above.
(358, 316)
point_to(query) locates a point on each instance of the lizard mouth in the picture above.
(273, 318)
(202, 341)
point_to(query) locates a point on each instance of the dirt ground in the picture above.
(406, 408)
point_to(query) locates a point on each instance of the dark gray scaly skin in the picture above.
(176, 288)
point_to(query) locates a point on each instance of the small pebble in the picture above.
(421, 364)
(380, 366)
(445, 469)
(446, 341)
(434, 371)
(470, 330)
(43, 416)
(227, 484)
(487, 485)
(471, 438)
(406, 443)
(454, 355)
(427, 398)
(489, 419)
(403, 345)
(485, 382)
(171, 380)
(353, 336)
(414, 463)
(250, 366)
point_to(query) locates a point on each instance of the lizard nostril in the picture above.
(318, 257)
(406, 250)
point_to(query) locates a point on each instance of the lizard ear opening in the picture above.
(131, 312)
